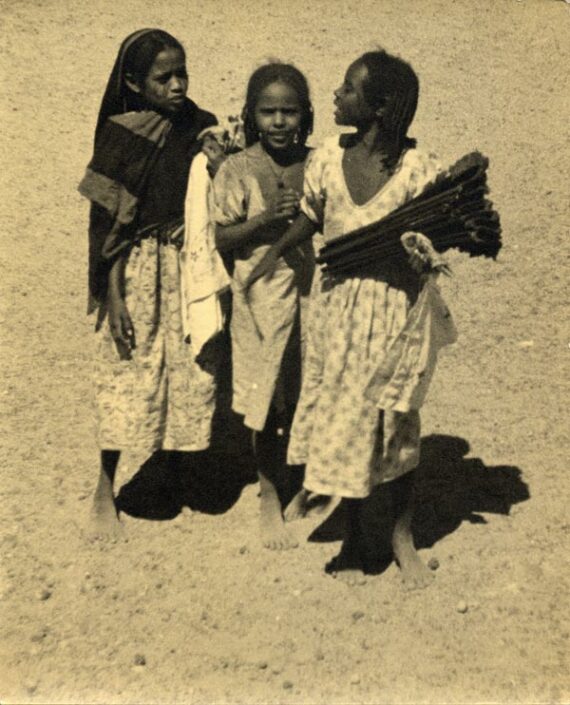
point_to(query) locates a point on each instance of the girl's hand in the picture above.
(264, 268)
(422, 256)
(215, 153)
(120, 324)
(285, 206)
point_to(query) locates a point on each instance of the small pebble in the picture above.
(31, 687)
(357, 615)
(262, 665)
(433, 564)
(461, 607)
(40, 635)
(139, 660)
(287, 685)
(355, 679)
(244, 549)
(44, 595)
(319, 655)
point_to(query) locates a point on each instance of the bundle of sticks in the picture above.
(452, 212)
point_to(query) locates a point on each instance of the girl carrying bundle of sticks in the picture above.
(350, 439)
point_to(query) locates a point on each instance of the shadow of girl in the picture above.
(450, 489)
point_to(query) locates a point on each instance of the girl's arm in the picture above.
(302, 229)
(259, 228)
(119, 319)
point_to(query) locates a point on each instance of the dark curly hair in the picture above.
(276, 72)
(392, 84)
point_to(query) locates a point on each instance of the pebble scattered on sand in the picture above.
(44, 594)
(461, 607)
(433, 564)
(287, 685)
(139, 660)
(354, 679)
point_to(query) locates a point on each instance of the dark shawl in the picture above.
(127, 145)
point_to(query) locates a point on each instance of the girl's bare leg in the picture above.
(350, 564)
(269, 454)
(297, 507)
(104, 517)
(414, 573)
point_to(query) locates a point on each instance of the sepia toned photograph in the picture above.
(284, 352)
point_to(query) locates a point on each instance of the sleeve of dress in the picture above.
(314, 197)
(426, 167)
(230, 203)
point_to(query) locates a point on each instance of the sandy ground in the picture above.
(190, 610)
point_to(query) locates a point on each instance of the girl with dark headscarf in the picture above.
(151, 394)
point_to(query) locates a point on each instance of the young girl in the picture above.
(347, 444)
(150, 392)
(257, 193)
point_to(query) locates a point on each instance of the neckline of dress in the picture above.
(381, 190)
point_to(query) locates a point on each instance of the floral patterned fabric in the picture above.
(161, 398)
(347, 444)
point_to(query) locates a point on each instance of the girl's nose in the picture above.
(278, 118)
(336, 93)
(176, 84)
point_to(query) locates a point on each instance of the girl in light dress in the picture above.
(257, 194)
(349, 440)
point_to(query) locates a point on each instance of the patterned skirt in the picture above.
(347, 444)
(161, 397)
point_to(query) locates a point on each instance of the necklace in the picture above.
(277, 170)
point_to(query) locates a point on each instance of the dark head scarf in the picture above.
(135, 58)
(128, 139)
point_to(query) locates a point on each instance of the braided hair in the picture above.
(276, 72)
(393, 85)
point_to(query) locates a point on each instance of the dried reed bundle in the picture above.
(452, 212)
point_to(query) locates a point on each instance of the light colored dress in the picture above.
(162, 397)
(347, 444)
(265, 325)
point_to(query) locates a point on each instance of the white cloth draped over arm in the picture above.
(203, 276)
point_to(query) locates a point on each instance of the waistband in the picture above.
(171, 233)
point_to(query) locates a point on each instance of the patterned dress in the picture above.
(265, 326)
(162, 397)
(348, 446)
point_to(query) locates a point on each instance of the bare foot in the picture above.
(104, 524)
(415, 575)
(297, 507)
(274, 535)
(349, 565)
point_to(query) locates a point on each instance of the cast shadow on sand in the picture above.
(209, 482)
(451, 489)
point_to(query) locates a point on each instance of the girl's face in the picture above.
(351, 105)
(166, 84)
(278, 116)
